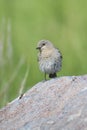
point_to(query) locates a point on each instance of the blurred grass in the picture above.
(23, 24)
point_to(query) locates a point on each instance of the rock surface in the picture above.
(56, 104)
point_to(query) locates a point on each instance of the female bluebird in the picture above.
(49, 58)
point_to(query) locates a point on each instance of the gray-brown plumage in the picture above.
(49, 58)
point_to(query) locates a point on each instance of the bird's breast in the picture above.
(47, 53)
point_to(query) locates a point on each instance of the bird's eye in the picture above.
(43, 44)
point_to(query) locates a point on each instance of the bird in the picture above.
(49, 58)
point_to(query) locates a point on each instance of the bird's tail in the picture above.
(52, 75)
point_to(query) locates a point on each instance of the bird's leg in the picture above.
(45, 75)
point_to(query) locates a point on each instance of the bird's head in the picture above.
(43, 45)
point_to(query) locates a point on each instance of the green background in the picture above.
(22, 24)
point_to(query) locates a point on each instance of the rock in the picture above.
(56, 104)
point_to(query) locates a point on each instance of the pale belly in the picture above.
(50, 66)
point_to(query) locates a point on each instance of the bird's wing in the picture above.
(59, 53)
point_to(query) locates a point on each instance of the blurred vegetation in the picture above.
(22, 24)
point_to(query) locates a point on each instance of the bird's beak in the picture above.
(38, 48)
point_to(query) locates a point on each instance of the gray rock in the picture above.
(56, 104)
